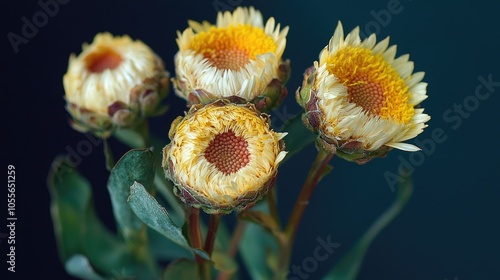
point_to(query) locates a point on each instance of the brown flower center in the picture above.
(102, 59)
(232, 59)
(372, 83)
(367, 94)
(228, 152)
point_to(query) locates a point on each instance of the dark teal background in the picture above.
(451, 226)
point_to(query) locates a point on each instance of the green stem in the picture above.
(108, 155)
(143, 130)
(286, 246)
(134, 137)
(273, 207)
(142, 251)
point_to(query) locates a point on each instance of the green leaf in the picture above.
(256, 247)
(138, 137)
(79, 266)
(348, 267)
(182, 269)
(70, 197)
(154, 215)
(79, 232)
(298, 136)
(136, 165)
(165, 249)
(165, 188)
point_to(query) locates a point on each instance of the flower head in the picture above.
(239, 58)
(361, 100)
(114, 81)
(223, 156)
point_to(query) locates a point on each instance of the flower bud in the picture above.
(114, 82)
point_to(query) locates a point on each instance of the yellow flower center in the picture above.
(102, 59)
(232, 47)
(372, 83)
(228, 152)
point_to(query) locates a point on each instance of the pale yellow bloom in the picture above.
(238, 56)
(361, 99)
(222, 157)
(113, 77)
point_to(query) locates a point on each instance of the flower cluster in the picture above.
(359, 99)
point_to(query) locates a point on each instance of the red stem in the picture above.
(194, 231)
(286, 245)
(213, 225)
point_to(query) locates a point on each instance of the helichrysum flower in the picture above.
(223, 156)
(114, 82)
(238, 58)
(361, 100)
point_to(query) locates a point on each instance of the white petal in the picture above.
(369, 42)
(381, 46)
(337, 39)
(415, 78)
(404, 147)
(353, 37)
(390, 53)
